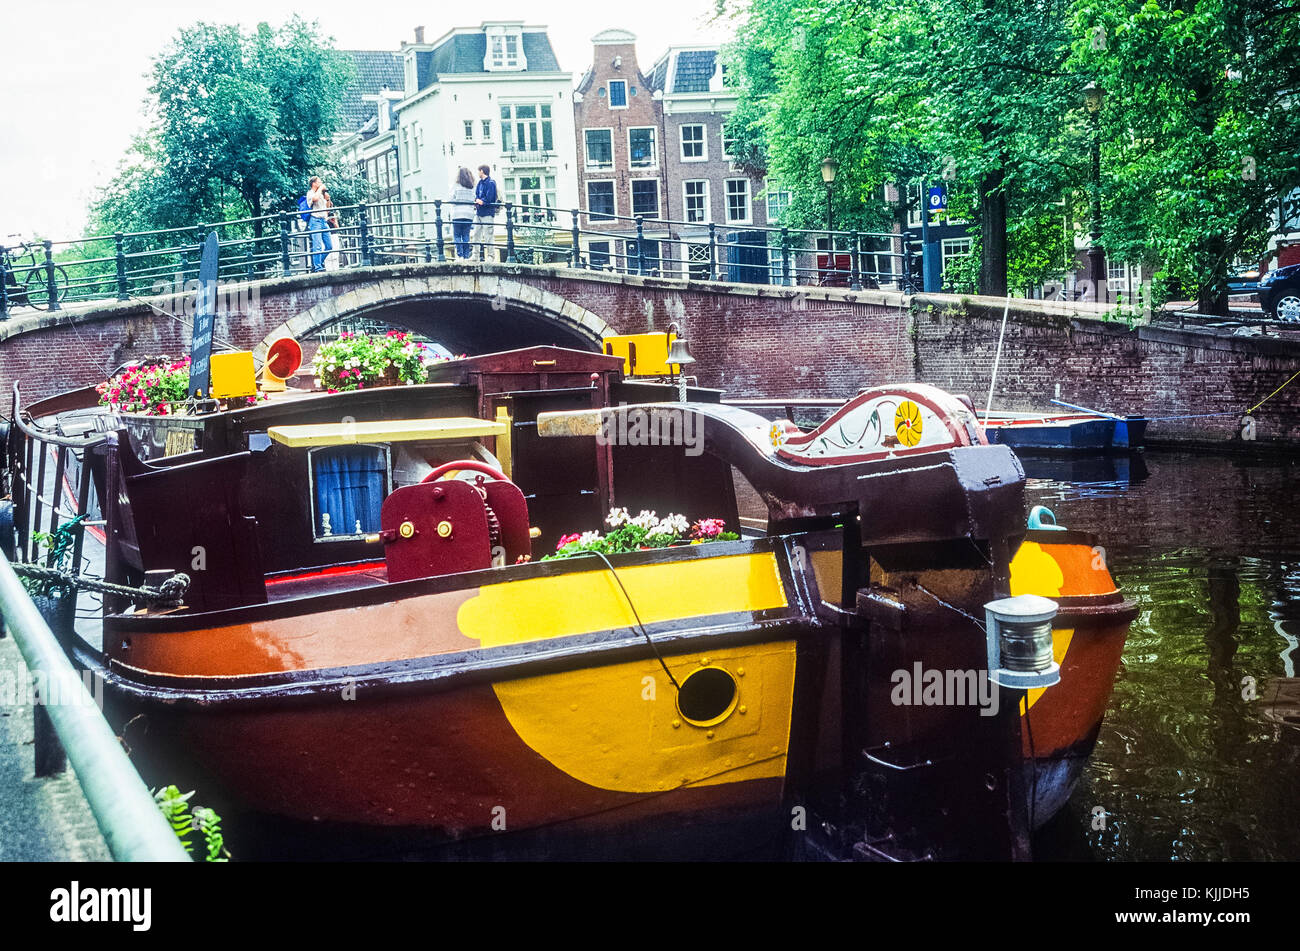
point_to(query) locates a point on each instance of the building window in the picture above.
(487, 130)
(617, 94)
(641, 148)
(349, 484)
(504, 50)
(600, 201)
(526, 128)
(600, 148)
(694, 148)
(778, 201)
(728, 144)
(533, 196)
(1118, 279)
(650, 249)
(469, 130)
(738, 211)
(953, 248)
(645, 197)
(417, 140)
(695, 201)
(598, 254)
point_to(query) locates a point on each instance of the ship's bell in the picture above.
(678, 354)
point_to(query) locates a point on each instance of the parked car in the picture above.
(1279, 293)
(1243, 279)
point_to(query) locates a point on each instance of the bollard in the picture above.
(713, 251)
(640, 245)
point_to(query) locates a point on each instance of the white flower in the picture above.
(588, 537)
(616, 517)
(674, 524)
(646, 520)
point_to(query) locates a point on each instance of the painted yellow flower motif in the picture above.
(907, 423)
(777, 434)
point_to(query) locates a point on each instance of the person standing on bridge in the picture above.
(317, 225)
(485, 197)
(462, 211)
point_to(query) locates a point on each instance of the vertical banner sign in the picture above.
(938, 203)
(205, 316)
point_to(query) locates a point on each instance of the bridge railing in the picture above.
(124, 266)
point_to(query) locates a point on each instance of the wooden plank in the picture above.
(385, 430)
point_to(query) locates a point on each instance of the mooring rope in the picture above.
(1274, 393)
(170, 594)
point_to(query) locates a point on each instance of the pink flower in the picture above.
(567, 539)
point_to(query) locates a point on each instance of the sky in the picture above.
(74, 74)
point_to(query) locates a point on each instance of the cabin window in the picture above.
(348, 486)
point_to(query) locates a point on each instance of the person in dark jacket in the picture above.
(485, 198)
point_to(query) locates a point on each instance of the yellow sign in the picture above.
(643, 354)
(232, 374)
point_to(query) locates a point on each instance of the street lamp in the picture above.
(1092, 100)
(829, 166)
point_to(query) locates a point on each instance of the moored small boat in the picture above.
(1068, 432)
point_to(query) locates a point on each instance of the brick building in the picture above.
(618, 121)
(704, 184)
(654, 145)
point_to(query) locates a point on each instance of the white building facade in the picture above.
(492, 94)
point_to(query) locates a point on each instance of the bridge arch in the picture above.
(470, 313)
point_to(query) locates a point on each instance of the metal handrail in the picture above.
(406, 230)
(133, 827)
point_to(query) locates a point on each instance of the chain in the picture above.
(170, 594)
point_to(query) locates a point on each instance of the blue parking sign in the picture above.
(938, 202)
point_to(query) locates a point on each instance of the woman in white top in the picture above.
(461, 211)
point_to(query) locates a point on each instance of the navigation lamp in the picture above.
(1019, 642)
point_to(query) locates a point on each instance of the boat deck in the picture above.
(329, 580)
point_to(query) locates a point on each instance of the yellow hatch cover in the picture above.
(386, 430)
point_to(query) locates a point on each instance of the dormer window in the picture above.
(504, 49)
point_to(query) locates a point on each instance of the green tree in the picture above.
(239, 122)
(1200, 127)
(960, 90)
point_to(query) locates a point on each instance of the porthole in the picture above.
(707, 696)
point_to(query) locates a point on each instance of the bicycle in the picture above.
(26, 280)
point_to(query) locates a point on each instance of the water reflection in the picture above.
(1187, 767)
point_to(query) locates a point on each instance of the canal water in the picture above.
(1188, 765)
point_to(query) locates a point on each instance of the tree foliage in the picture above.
(990, 93)
(239, 122)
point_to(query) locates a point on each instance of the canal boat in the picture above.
(883, 662)
(1083, 432)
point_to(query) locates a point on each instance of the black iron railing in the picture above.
(122, 266)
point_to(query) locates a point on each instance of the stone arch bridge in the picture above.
(749, 340)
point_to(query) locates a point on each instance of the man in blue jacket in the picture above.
(485, 201)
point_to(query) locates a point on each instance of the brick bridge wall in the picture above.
(759, 341)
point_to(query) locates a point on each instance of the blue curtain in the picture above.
(349, 488)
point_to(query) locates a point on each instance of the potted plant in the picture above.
(359, 361)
